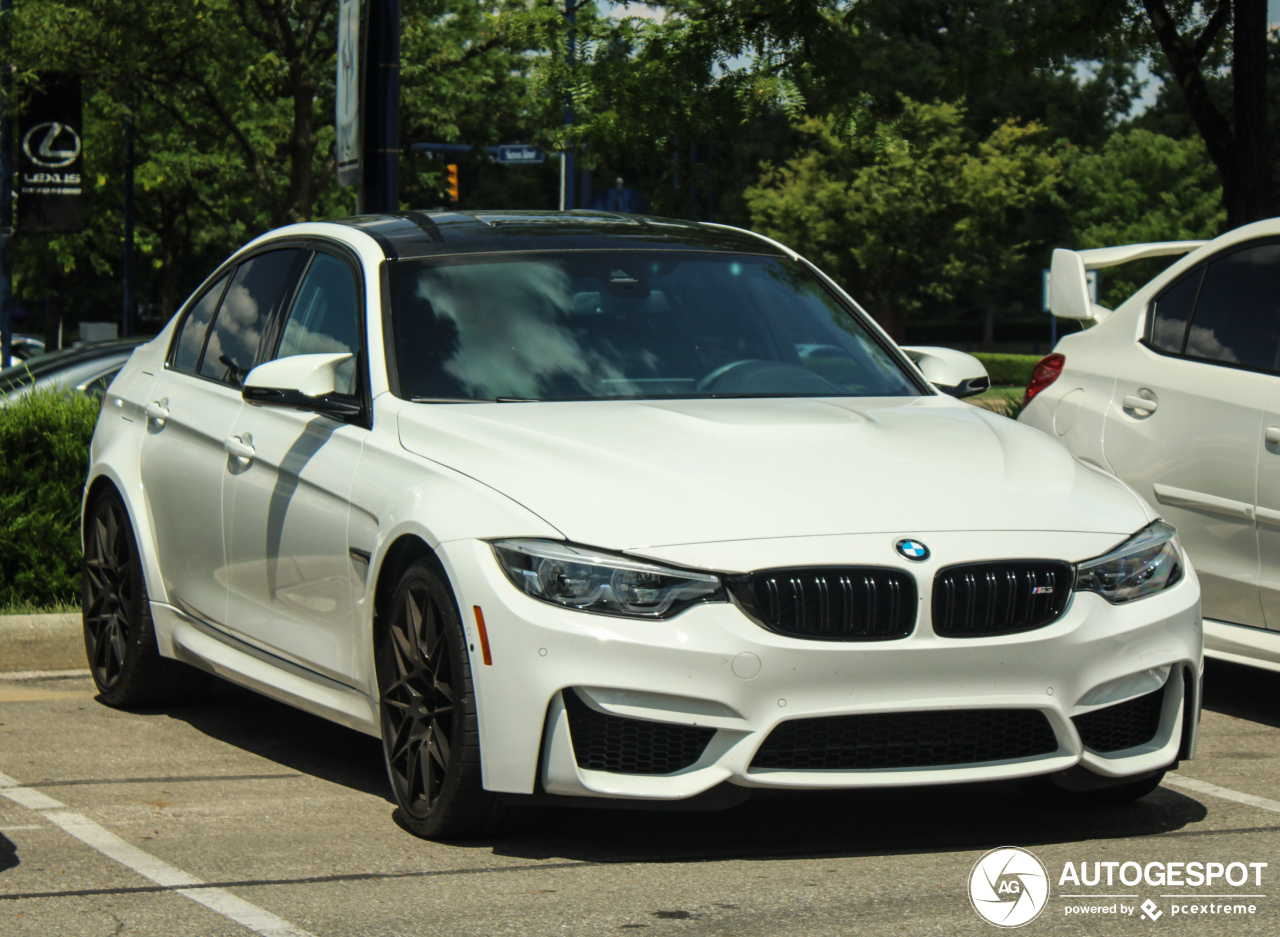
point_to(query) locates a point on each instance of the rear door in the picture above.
(1185, 426)
(191, 409)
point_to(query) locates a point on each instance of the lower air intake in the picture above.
(603, 742)
(1125, 725)
(907, 740)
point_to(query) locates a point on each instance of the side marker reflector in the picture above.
(484, 637)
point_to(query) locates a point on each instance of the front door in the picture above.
(289, 575)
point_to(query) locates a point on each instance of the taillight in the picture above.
(1046, 372)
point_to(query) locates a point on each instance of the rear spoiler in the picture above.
(1069, 288)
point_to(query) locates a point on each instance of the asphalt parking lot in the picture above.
(242, 816)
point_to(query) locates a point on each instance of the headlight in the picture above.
(1146, 563)
(593, 581)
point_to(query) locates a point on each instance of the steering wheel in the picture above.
(754, 375)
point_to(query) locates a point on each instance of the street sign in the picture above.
(519, 153)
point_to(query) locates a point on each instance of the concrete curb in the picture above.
(41, 642)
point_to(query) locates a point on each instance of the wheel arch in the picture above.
(406, 549)
(103, 476)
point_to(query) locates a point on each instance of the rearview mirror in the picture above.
(952, 372)
(302, 382)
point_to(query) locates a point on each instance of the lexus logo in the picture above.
(51, 145)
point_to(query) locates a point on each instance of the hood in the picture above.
(632, 474)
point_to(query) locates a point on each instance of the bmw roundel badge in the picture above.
(912, 549)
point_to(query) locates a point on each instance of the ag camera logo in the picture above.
(1008, 887)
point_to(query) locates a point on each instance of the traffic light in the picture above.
(452, 170)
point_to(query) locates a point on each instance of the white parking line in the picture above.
(44, 674)
(1226, 793)
(148, 866)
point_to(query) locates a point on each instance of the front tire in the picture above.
(119, 636)
(430, 734)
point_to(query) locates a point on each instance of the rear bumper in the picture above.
(712, 667)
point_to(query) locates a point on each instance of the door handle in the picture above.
(1273, 434)
(240, 447)
(157, 410)
(1134, 402)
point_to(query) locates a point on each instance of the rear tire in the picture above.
(430, 734)
(119, 636)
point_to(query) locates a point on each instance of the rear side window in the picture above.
(194, 327)
(1172, 312)
(1237, 316)
(258, 289)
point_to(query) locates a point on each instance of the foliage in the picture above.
(1140, 186)
(1008, 370)
(233, 104)
(644, 90)
(913, 215)
(44, 454)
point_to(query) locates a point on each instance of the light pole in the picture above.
(126, 263)
(567, 175)
(380, 187)
(6, 193)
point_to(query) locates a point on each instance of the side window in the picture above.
(1172, 311)
(258, 288)
(1237, 317)
(325, 317)
(191, 338)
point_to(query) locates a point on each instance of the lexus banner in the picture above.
(51, 157)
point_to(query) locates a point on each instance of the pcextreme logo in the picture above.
(1008, 887)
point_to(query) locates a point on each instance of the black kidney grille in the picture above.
(603, 742)
(980, 599)
(1124, 725)
(907, 740)
(830, 603)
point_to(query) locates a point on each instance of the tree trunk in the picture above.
(890, 322)
(1251, 196)
(302, 148)
(1241, 153)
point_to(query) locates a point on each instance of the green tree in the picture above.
(915, 215)
(1140, 186)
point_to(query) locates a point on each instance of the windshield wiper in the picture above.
(516, 400)
(444, 400)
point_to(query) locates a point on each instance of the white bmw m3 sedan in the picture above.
(568, 506)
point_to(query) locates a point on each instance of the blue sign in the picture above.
(519, 153)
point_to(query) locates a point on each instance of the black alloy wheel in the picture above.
(119, 636)
(112, 603)
(429, 730)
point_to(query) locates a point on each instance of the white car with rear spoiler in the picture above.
(1177, 392)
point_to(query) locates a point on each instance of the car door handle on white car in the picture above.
(241, 447)
(1141, 404)
(1273, 434)
(157, 411)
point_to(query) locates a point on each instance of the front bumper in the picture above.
(713, 667)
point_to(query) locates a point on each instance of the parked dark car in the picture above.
(86, 368)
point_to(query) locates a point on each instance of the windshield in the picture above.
(628, 324)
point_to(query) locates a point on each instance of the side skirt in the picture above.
(200, 645)
(1241, 644)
